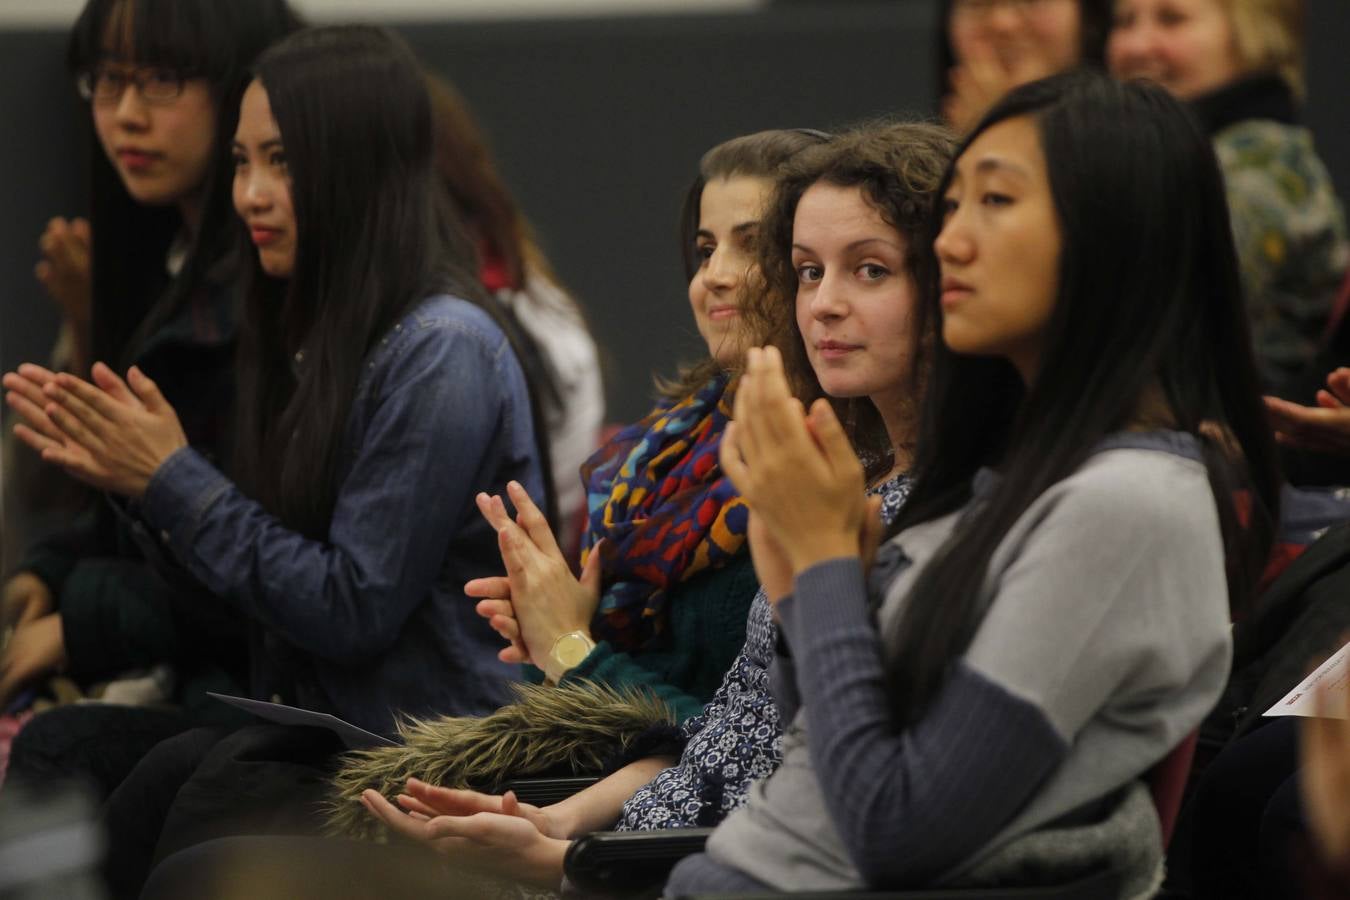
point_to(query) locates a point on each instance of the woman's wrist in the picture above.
(822, 550)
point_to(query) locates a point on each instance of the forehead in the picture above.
(1012, 146)
(830, 211)
(732, 200)
(255, 113)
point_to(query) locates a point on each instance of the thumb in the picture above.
(146, 390)
(591, 573)
(872, 530)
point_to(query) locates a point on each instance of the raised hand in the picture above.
(1324, 428)
(798, 473)
(64, 270)
(112, 436)
(542, 598)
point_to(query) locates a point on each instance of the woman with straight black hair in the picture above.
(158, 287)
(379, 395)
(1052, 606)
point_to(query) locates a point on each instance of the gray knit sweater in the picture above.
(1105, 643)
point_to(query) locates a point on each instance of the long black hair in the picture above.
(1148, 300)
(1094, 18)
(217, 40)
(375, 236)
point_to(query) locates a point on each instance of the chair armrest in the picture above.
(544, 791)
(1095, 886)
(620, 861)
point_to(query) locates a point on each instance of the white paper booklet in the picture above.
(1331, 678)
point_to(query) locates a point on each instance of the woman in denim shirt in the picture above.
(347, 553)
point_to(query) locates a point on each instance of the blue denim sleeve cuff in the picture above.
(180, 492)
(826, 598)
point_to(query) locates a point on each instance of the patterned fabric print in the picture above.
(1291, 239)
(738, 738)
(657, 496)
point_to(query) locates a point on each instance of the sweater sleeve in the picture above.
(618, 669)
(1092, 597)
(346, 598)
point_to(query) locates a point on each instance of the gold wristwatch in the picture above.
(567, 653)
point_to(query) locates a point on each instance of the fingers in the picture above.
(94, 398)
(145, 389)
(732, 462)
(495, 587)
(113, 386)
(452, 801)
(76, 419)
(40, 443)
(1338, 383)
(493, 510)
(392, 817)
(413, 805)
(33, 414)
(494, 606)
(832, 439)
(532, 519)
(592, 575)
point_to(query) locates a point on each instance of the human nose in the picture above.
(1130, 44)
(954, 245)
(130, 109)
(722, 273)
(256, 193)
(830, 298)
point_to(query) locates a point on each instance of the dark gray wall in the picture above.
(597, 126)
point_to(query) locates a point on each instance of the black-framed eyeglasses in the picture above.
(106, 84)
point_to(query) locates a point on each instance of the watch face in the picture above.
(571, 649)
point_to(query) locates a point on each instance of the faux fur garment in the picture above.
(574, 728)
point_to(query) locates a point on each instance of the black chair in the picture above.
(631, 862)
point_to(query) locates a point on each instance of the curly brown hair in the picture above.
(899, 167)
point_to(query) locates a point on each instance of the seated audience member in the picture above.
(513, 267)
(158, 289)
(1070, 492)
(842, 249)
(661, 603)
(1239, 64)
(374, 375)
(985, 48)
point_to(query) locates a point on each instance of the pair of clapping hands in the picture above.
(112, 434)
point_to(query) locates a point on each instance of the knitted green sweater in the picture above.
(705, 632)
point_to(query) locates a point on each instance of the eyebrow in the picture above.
(858, 244)
(736, 231)
(994, 163)
(265, 145)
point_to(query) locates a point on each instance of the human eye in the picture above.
(873, 271)
(704, 251)
(949, 207)
(277, 159)
(994, 198)
(809, 273)
(238, 159)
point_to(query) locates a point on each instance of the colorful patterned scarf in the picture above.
(657, 495)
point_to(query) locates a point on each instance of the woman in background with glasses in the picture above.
(147, 280)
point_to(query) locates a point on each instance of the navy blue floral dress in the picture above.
(737, 739)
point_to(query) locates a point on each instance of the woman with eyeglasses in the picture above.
(148, 280)
(988, 47)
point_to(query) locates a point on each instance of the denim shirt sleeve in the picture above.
(435, 393)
